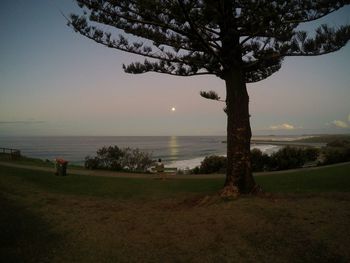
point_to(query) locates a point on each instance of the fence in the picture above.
(14, 153)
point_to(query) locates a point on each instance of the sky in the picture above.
(56, 82)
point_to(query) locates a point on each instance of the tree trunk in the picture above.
(239, 178)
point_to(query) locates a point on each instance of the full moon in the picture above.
(173, 109)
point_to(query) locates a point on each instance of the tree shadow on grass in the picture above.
(24, 236)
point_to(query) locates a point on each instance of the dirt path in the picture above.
(152, 176)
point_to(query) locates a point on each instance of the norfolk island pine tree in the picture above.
(238, 41)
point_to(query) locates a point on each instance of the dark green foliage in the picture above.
(195, 170)
(213, 164)
(135, 160)
(259, 160)
(114, 158)
(292, 157)
(110, 158)
(336, 151)
(285, 158)
(311, 154)
(211, 95)
(92, 163)
(336, 155)
(339, 143)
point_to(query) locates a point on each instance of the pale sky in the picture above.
(56, 82)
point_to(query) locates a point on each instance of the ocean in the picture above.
(175, 151)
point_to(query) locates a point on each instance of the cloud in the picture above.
(349, 117)
(340, 124)
(284, 126)
(21, 122)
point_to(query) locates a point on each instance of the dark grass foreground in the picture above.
(45, 218)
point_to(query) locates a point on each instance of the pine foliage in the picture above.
(211, 95)
(196, 37)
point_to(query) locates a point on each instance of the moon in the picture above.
(173, 109)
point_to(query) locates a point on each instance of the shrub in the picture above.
(311, 154)
(259, 160)
(213, 164)
(287, 158)
(195, 170)
(136, 160)
(91, 163)
(336, 154)
(339, 143)
(114, 158)
(110, 157)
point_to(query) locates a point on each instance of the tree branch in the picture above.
(192, 26)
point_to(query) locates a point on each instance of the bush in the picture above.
(135, 160)
(91, 163)
(336, 154)
(339, 143)
(311, 154)
(287, 158)
(195, 170)
(213, 164)
(259, 160)
(114, 158)
(110, 158)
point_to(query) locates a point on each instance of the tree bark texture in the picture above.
(239, 178)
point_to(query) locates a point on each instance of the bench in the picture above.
(170, 170)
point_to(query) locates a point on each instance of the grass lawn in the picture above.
(24, 160)
(45, 218)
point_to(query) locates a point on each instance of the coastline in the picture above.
(106, 173)
(176, 151)
(288, 143)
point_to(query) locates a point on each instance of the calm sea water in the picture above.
(178, 151)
